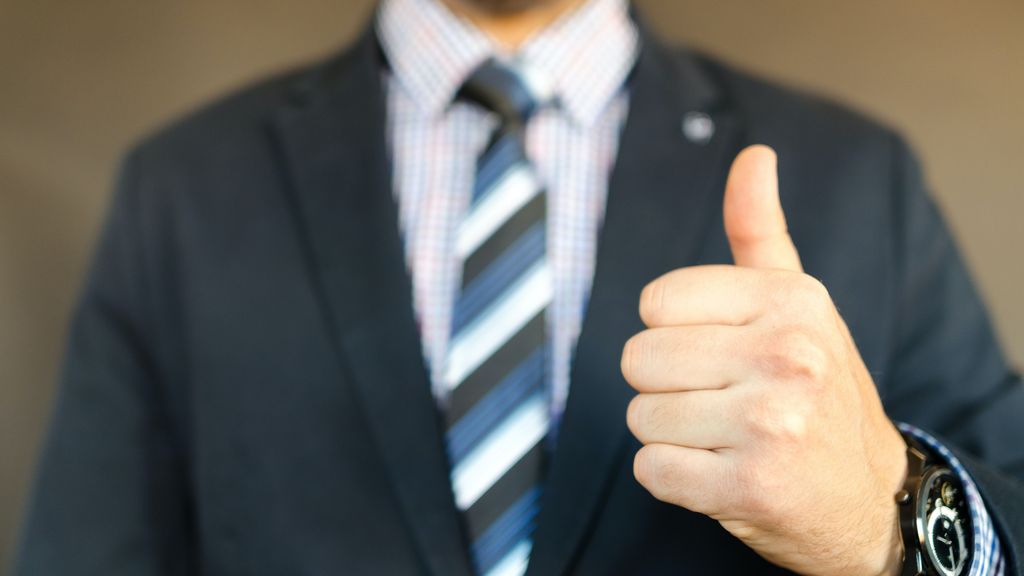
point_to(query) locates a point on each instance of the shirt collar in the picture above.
(583, 58)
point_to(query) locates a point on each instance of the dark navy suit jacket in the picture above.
(244, 390)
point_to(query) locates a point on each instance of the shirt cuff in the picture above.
(987, 556)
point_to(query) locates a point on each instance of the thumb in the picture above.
(754, 221)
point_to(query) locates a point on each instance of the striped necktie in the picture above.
(497, 413)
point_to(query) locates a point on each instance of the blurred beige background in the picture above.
(79, 81)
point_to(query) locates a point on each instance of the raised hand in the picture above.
(754, 405)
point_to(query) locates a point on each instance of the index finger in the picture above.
(711, 294)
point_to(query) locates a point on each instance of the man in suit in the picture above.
(380, 316)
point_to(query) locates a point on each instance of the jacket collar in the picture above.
(664, 193)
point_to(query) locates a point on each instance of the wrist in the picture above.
(893, 478)
(894, 564)
(883, 556)
(887, 559)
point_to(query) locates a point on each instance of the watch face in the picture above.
(942, 511)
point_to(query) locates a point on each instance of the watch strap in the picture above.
(911, 533)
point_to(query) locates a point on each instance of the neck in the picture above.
(511, 22)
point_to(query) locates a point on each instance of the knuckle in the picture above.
(658, 474)
(667, 474)
(643, 464)
(652, 300)
(633, 354)
(795, 354)
(812, 294)
(634, 416)
(778, 422)
(650, 416)
(757, 503)
(755, 495)
(750, 493)
(789, 428)
(660, 414)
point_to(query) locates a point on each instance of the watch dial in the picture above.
(947, 545)
(944, 515)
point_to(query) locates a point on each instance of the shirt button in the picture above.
(698, 127)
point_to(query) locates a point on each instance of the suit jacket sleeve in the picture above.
(947, 374)
(109, 496)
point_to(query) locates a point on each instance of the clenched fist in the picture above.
(755, 407)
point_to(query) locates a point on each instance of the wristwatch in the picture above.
(935, 523)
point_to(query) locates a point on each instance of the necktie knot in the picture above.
(501, 89)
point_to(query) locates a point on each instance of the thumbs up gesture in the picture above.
(755, 407)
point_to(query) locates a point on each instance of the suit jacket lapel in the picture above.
(333, 141)
(664, 194)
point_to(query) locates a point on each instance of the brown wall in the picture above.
(80, 80)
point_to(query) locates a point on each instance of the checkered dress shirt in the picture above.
(583, 61)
